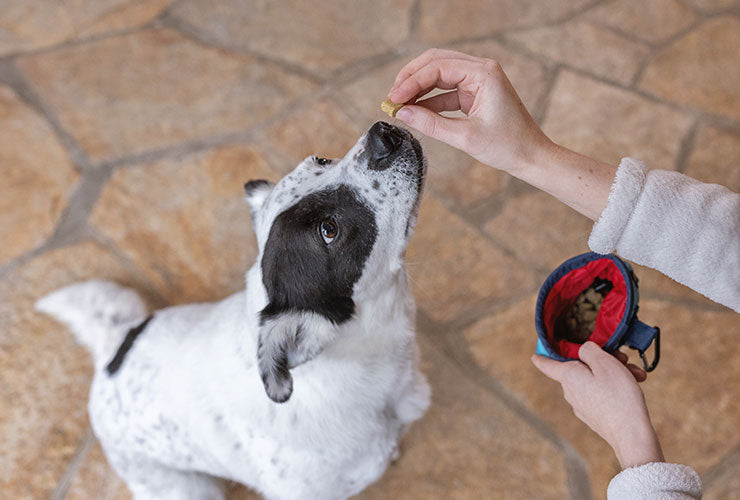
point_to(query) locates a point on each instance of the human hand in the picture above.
(498, 130)
(602, 389)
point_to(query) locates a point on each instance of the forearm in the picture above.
(580, 182)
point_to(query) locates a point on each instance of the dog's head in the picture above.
(331, 233)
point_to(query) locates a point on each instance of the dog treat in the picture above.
(390, 107)
(579, 321)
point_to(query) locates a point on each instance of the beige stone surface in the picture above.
(726, 486)
(653, 21)
(95, 479)
(322, 129)
(701, 69)
(502, 344)
(469, 445)
(28, 25)
(693, 414)
(607, 123)
(45, 375)
(184, 221)
(454, 269)
(540, 230)
(693, 396)
(715, 158)
(586, 46)
(441, 22)
(711, 6)
(321, 36)
(37, 177)
(154, 89)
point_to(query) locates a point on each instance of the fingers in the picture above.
(549, 367)
(637, 372)
(449, 130)
(415, 64)
(441, 73)
(449, 101)
(595, 357)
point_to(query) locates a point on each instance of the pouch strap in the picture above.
(639, 337)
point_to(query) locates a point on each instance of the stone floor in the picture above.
(127, 128)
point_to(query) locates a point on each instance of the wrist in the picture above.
(638, 447)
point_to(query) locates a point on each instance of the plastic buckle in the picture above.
(650, 367)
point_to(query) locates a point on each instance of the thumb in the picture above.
(434, 125)
(551, 368)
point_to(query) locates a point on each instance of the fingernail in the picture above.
(404, 114)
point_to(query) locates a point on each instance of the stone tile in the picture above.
(45, 378)
(321, 129)
(586, 46)
(26, 26)
(540, 230)
(700, 70)
(453, 175)
(184, 220)
(693, 415)
(609, 123)
(697, 416)
(502, 344)
(37, 177)
(95, 480)
(711, 6)
(455, 269)
(320, 36)
(715, 158)
(653, 22)
(656, 285)
(447, 21)
(725, 486)
(154, 89)
(469, 445)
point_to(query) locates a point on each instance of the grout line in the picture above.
(192, 33)
(658, 48)
(83, 449)
(16, 80)
(728, 465)
(543, 103)
(686, 147)
(459, 354)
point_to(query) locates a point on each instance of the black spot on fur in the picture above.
(301, 272)
(250, 186)
(376, 184)
(125, 347)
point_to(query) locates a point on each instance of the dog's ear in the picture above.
(257, 191)
(287, 340)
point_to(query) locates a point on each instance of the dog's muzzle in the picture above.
(383, 141)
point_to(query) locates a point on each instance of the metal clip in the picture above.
(650, 367)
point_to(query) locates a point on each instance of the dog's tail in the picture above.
(98, 312)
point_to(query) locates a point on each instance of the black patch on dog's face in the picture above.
(301, 272)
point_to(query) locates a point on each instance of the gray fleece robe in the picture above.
(689, 231)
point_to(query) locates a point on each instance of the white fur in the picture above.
(188, 405)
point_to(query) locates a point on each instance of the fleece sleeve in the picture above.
(686, 229)
(655, 481)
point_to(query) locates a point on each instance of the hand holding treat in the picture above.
(498, 130)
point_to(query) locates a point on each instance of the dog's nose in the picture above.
(383, 140)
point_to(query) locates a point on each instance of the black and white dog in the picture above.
(300, 386)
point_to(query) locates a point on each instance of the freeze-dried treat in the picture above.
(579, 321)
(390, 107)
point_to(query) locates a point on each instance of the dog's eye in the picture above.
(322, 161)
(329, 230)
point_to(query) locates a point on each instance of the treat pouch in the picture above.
(616, 323)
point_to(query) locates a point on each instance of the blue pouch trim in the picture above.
(629, 331)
